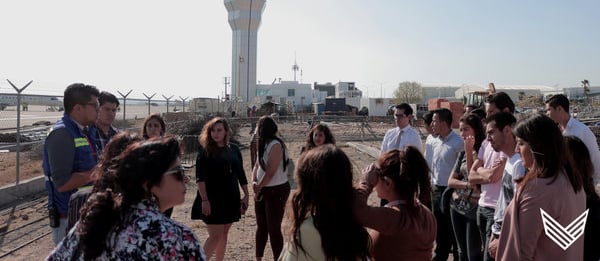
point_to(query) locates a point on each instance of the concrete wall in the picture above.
(25, 189)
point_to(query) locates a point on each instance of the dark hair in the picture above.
(406, 107)
(548, 149)
(479, 112)
(325, 193)
(267, 131)
(155, 116)
(107, 97)
(139, 168)
(428, 117)
(329, 139)
(78, 93)
(115, 146)
(474, 122)
(501, 120)
(579, 157)
(559, 100)
(502, 101)
(444, 115)
(206, 140)
(409, 171)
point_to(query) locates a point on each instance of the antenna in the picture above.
(295, 67)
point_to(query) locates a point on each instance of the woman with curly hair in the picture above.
(322, 224)
(130, 225)
(318, 135)
(403, 229)
(219, 176)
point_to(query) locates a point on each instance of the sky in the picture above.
(183, 48)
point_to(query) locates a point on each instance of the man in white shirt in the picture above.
(557, 108)
(403, 135)
(499, 135)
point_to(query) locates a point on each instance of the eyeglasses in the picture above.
(179, 173)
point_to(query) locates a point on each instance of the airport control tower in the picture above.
(244, 19)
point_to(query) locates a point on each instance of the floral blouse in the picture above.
(147, 235)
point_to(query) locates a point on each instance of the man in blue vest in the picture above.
(70, 153)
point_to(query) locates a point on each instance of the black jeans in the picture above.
(444, 238)
(467, 235)
(485, 220)
(269, 214)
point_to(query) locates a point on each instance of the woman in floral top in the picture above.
(130, 226)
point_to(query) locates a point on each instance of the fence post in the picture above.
(167, 101)
(183, 102)
(18, 167)
(124, 102)
(149, 99)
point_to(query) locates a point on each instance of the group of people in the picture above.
(478, 194)
(491, 183)
(109, 192)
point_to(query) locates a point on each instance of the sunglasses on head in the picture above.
(178, 172)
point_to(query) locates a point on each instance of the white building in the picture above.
(346, 90)
(298, 96)
(376, 106)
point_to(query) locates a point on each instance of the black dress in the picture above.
(221, 176)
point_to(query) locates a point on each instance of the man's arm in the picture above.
(481, 175)
(61, 153)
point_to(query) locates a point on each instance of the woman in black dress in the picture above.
(219, 170)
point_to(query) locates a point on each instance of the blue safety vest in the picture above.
(85, 159)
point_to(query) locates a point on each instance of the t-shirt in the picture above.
(513, 170)
(280, 176)
(489, 191)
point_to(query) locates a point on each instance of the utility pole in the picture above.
(226, 82)
(149, 99)
(18, 167)
(124, 102)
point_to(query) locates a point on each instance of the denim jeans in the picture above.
(485, 220)
(467, 235)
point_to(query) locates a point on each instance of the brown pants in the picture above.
(269, 214)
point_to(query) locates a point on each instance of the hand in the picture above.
(499, 162)
(493, 246)
(469, 144)
(256, 188)
(244, 204)
(371, 174)
(206, 208)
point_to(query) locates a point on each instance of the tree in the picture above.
(409, 92)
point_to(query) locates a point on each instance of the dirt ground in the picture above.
(241, 236)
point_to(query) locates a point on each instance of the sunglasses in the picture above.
(179, 173)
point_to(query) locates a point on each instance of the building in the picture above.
(376, 106)
(244, 20)
(347, 90)
(328, 87)
(297, 96)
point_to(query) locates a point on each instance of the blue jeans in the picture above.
(485, 220)
(58, 233)
(467, 235)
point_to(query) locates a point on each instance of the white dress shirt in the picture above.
(408, 137)
(580, 130)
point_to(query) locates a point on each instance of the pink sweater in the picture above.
(522, 236)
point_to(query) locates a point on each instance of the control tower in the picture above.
(244, 20)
